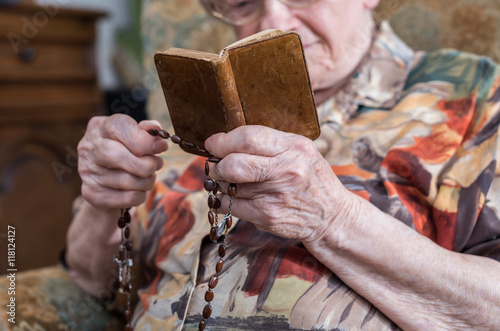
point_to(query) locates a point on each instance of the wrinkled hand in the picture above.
(117, 162)
(284, 185)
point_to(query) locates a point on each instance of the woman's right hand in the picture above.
(117, 162)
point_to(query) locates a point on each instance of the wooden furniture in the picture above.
(48, 92)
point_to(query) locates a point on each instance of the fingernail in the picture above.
(159, 146)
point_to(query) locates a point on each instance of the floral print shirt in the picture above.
(414, 133)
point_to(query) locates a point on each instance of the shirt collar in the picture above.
(378, 81)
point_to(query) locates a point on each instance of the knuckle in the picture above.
(115, 128)
(98, 181)
(83, 170)
(126, 181)
(150, 166)
(89, 195)
(134, 198)
(231, 169)
(305, 152)
(113, 124)
(144, 166)
(150, 182)
(249, 140)
(301, 170)
(101, 155)
(95, 122)
(82, 147)
(304, 145)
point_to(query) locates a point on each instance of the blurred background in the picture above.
(64, 61)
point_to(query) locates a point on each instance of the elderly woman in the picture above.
(392, 217)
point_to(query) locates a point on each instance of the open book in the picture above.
(259, 80)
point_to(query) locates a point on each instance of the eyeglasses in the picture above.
(240, 12)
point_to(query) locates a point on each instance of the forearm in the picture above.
(416, 283)
(92, 242)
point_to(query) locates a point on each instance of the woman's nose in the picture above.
(277, 15)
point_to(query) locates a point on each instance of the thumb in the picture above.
(124, 129)
(149, 124)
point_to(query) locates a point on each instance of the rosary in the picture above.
(218, 229)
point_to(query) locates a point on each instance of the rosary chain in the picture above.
(125, 263)
(217, 230)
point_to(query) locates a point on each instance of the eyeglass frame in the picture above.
(211, 8)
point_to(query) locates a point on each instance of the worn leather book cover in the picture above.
(260, 80)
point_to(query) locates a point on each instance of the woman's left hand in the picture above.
(284, 185)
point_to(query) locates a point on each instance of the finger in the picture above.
(249, 139)
(268, 218)
(113, 155)
(242, 208)
(124, 129)
(160, 144)
(242, 168)
(247, 190)
(112, 199)
(148, 124)
(120, 180)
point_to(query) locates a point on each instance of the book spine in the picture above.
(230, 99)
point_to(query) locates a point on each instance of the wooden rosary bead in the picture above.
(121, 222)
(189, 145)
(222, 250)
(210, 185)
(213, 234)
(127, 217)
(211, 217)
(123, 258)
(209, 295)
(153, 131)
(211, 201)
(207, 169)
(207, 311)
(128, 245)
(217, 203)
(164, 134)
(175, 139)
(213, 281)
(219, 266)
(231, 190)
(127, 314)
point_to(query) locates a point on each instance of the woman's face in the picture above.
(336, 35)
